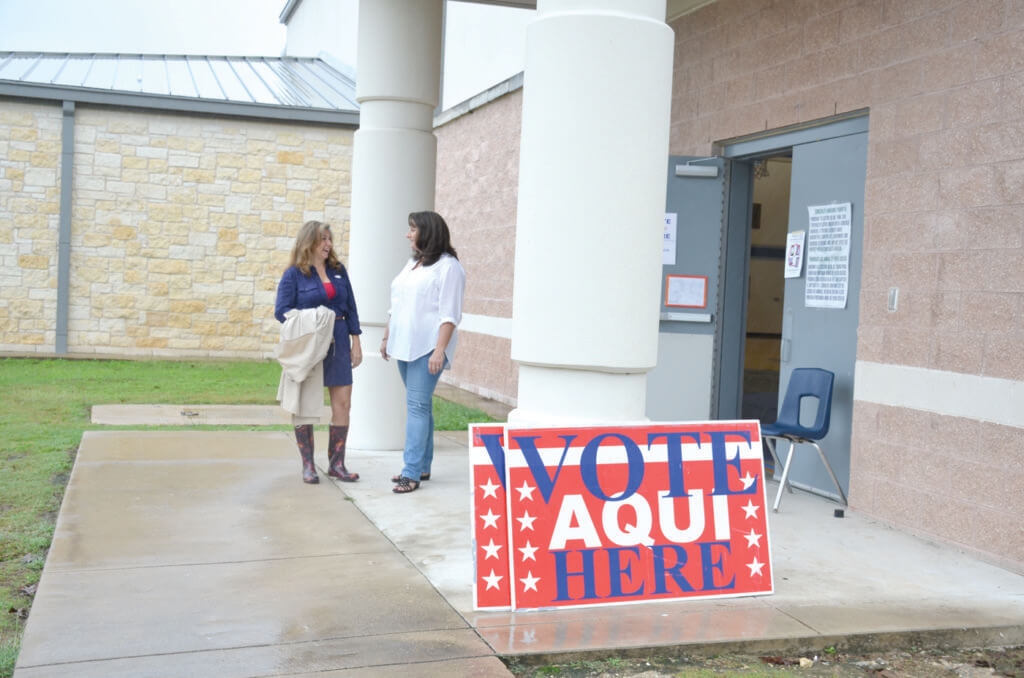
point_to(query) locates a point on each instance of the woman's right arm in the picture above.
(286, 295)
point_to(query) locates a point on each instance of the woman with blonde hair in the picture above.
(316, 277)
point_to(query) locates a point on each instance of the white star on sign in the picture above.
(750, 509)
(529, 581)
(491, 549)
(755, 567)
(492, 580)
(748, 480)
(753, 539)
(525, 492)
(526, 521)
(490, 519)
(490, 489)
(528, 552)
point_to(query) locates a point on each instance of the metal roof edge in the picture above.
(289, 9)
(337, 64)
(178, 104)
(476, 101)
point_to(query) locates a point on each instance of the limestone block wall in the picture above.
(29, 218)
(181, 228)
(944, 84)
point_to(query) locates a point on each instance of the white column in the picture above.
(592, 177)
(393, 173)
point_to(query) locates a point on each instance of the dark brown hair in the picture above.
(432, 237)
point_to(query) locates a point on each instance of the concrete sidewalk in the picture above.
(190, 553)
(185, 553)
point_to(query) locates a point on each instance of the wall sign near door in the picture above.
(828, 255)
(605, 515)
(686, 291)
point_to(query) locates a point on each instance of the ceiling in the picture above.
(674, 8)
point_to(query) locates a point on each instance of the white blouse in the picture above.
(422, 299)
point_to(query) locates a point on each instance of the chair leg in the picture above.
(769, 442)
(773, 449)
(784, 482)
(828, 467)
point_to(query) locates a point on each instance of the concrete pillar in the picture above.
(393, 173)
(596, 104)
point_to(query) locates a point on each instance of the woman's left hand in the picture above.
(357, 351)
(436, 362)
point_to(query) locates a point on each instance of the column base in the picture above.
(378, 399)
(554, 396)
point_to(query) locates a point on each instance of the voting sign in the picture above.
(619, 514)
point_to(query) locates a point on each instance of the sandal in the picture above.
(423, 476)
(405, 485)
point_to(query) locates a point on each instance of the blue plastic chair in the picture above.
(804, 382)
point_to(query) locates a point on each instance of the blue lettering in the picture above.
(492, 441)
(721, 464)
(676, 571)
(562, 573)
(616, 571)
(588, 467)
(674, 443)
(708, 566)
(545, 483)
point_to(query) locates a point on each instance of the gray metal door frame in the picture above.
(735, 278)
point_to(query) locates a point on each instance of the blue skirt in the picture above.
(338, 361)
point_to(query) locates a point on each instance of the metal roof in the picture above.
(296, 88)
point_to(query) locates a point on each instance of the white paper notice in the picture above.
(689, 291)
(828, 256)
(668, 244)
(794, 254)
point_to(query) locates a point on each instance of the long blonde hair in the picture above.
(306, 241)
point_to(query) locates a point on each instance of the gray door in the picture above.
(825, 172)
(682, 385)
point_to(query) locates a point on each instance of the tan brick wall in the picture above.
(477, 185)
(948, 477)
(181, 227)
(29, 221)
(483, 366)
(944, 84)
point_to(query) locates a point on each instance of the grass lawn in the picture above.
(46, 407)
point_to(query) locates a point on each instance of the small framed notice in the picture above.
(686, 291)
(794, 254)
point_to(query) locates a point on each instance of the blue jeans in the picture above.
(419, 421)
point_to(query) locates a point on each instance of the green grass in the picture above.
(46, 407)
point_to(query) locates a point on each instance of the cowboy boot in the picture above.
(304, 438)
(336, 456)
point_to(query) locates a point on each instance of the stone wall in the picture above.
(181, 227)
(29, 220)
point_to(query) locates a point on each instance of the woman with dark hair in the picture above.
(316, 277)
(426, 307)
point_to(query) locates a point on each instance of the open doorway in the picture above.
(769, 224)
(808, 182)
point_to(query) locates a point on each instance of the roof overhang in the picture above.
(673, 10)
(238, 109)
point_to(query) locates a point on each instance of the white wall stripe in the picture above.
(485, 324)
(1000, 401)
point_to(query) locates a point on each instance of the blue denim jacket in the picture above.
(306, 291)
